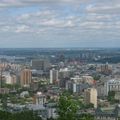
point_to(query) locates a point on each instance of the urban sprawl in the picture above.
(37, 79)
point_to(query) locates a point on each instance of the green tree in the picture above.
(96, 77)
(86, 117)
(67, 108)
(111, 95)
(4, 101)
(25, 115)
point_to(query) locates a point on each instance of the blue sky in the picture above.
(59, 23)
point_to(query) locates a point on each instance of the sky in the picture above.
(59, 23)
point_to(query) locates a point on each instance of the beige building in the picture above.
(25, 77)
(91, 96)
(88, 79)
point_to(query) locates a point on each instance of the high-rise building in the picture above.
(91, 96)
(40, 64)
(25, 77)
(53, 76)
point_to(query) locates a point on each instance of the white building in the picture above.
(53, 76)
(76, 87)
(112, 85)
(9, 79)
(77, 79)
(40, 99)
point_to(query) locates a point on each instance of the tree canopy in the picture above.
(25, 115)
(67, 108)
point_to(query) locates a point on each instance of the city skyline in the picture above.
(62, 24)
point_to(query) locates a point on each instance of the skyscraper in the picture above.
(53, 76)
(25, 77)
(40, 64)
(91, 96)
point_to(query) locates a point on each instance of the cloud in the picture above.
(5, 29)
(45, 21)
(45, 18)
(79, 22)
(8, 3)
(54, 1)
(14, 3)
(112, 7)
(36, 22)
(22, 28)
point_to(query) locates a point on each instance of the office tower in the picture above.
(91, 96)
(40, 64)
(53, 76)
(26, 77)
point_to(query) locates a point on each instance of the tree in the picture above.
(96, 77)
(111, 95)
(4, 101)
(50, 119)
(67, 108)
(25, 115)
(86, 117)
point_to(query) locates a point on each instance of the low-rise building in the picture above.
(111, 115)
(112, 85)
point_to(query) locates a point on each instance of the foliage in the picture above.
(12, 87)
(83, 106)
(50, 119)
(67, 108)
(90, 105)
(25, 115)
(4, 101)
(96, 77)
(111, 95)
(86, 117)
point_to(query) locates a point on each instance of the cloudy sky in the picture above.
(59, 23)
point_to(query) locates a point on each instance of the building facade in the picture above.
(112, 85)
(25, 78)
(40, 64)
(111, 115)
(53, 76)
(91, 96)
